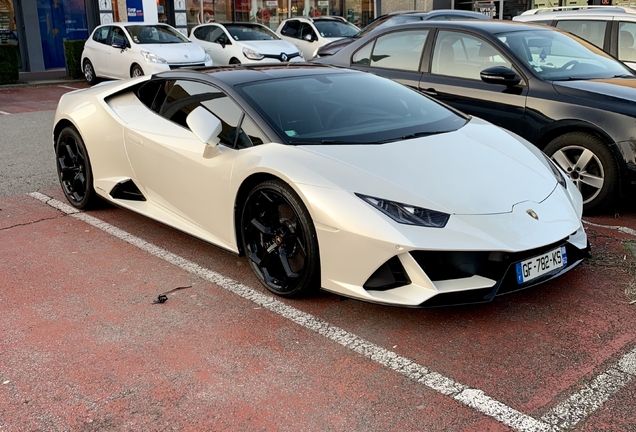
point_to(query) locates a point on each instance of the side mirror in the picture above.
(205, 125)
(308, 37)
(500, 75)
(119, 45)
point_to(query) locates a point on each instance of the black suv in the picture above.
(565, 95)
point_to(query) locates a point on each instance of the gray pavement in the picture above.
(26, 152)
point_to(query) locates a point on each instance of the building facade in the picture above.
(39, 27)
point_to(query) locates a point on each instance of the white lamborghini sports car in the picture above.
(326, 178)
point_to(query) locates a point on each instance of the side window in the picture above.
(363, 56)
(201, 33)
(153, 93)
(400, 50)
(305, 31)
(591, 31)
(464, 56)
(184, 96)
(101, 35)
(250, 135)
(216, 34)
(291, 28)
(117, 36)
(626, 36)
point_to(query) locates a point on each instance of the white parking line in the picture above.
(614, 227)
(4, 113)
(69, 87)
(581, 404)
(473, 398)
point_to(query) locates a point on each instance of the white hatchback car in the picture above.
(309, 34)
(243, 42)
(611, 28)
(123, 50)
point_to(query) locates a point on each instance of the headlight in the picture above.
(207, 58)
(152, 57)
(252, 55)
(558, 174)
(408, 214)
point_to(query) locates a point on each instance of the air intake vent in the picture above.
(127, 190)
(390, 275)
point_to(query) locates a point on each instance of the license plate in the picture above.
(534, 267)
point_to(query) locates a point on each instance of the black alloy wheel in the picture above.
(74, 169)
(280, 240)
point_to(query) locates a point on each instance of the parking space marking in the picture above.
(4, 113)
(473, 398)
(581, 404)
(614, 227)
(69, 87)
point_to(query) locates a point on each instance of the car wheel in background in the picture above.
(89, 72)
(280, 240)
(136, 71)
(589, 163)
(74, 169)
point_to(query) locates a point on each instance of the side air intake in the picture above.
(127, 190)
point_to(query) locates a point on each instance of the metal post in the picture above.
(501, 9)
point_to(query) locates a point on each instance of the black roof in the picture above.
(481, 26)
(241, 74)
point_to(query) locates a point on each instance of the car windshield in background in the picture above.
(155, 34)
(347, 108)
(247, 32)
(333, 28)
(555, 56)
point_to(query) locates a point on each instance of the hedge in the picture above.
(73, 54)
(9, 68)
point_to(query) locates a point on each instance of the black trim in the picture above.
(280, 56)
(127, 190)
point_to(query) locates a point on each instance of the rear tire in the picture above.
(89, 72)
(591, 166)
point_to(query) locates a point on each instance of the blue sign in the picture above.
(135, 10)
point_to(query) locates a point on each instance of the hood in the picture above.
(335, 46)
(271, 47)
(479, 169)
(177, 52)
(602, 90)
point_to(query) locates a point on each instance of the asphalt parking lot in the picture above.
(83, 346)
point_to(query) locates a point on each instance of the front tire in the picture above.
(136, 71)
(280, 240)
(74, 169)
(591, 166)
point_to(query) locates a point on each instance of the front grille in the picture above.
(185, 65)
(280, 56)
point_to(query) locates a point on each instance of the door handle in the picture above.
(430, 92)
(135, 139)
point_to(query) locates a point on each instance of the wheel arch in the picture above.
(562, 127)
(132, 65)
(59, 127)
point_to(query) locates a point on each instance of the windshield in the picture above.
(347, 108)
(557, 56)
(250, 32)
(333, 28)
(155, 34)
(387, 21)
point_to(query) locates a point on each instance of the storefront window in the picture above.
(60, 20)
(269, 12)
(161, 11)
(207, 11)
(358, 12)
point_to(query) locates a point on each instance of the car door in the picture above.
(98, 50)
(209, 37)
(176, 170)
(291, 32)
(626, 51)
(119, 60)
(453, 77)
(395, 55)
